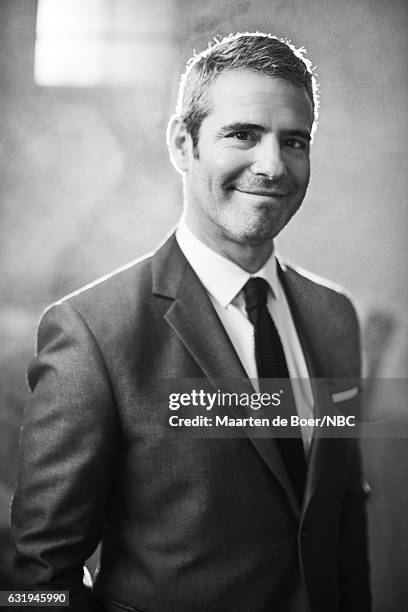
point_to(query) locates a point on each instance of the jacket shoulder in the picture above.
(113, 287)
(321, 294)
(314, 282)
(328, 317)
(107, 307)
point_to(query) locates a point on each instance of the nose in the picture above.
(268, 159)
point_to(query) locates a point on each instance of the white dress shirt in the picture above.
(224, 288)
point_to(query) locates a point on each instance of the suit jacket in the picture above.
(187, 524)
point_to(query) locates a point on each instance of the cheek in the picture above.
(225, 167)
(300, 170)
(209, 176)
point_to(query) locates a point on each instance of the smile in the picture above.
(265, 194)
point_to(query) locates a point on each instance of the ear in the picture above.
(179, 144)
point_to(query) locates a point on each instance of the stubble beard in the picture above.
(252, 228)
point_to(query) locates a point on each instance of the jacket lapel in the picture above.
(323, 451)
(192, 317)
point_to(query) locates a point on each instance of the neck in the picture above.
(249, 257)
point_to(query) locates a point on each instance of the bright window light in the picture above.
(87, 43)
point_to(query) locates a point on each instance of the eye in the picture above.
(296, 143)
(243, 136)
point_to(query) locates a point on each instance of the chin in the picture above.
(259, 237)
(251, 235)
(247, 230)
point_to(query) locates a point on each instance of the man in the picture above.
(248, 523)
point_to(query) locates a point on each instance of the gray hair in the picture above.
(245, 50)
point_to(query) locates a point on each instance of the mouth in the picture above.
(263, 193)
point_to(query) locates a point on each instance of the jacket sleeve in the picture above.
(67, 453)
(354, 570)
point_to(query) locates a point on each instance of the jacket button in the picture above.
(304, 532)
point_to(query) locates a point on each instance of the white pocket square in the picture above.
(342, 396)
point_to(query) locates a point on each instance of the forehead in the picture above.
(244, 95)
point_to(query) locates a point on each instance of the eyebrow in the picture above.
(238, 126)
(241, 126)
(299, 134)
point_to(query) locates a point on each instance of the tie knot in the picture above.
(256, 293)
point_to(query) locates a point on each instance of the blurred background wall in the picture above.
(86, 185)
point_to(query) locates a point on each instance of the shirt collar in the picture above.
(229, 279)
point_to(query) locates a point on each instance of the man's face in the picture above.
(251, 170)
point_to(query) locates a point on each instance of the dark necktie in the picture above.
(271, 363)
